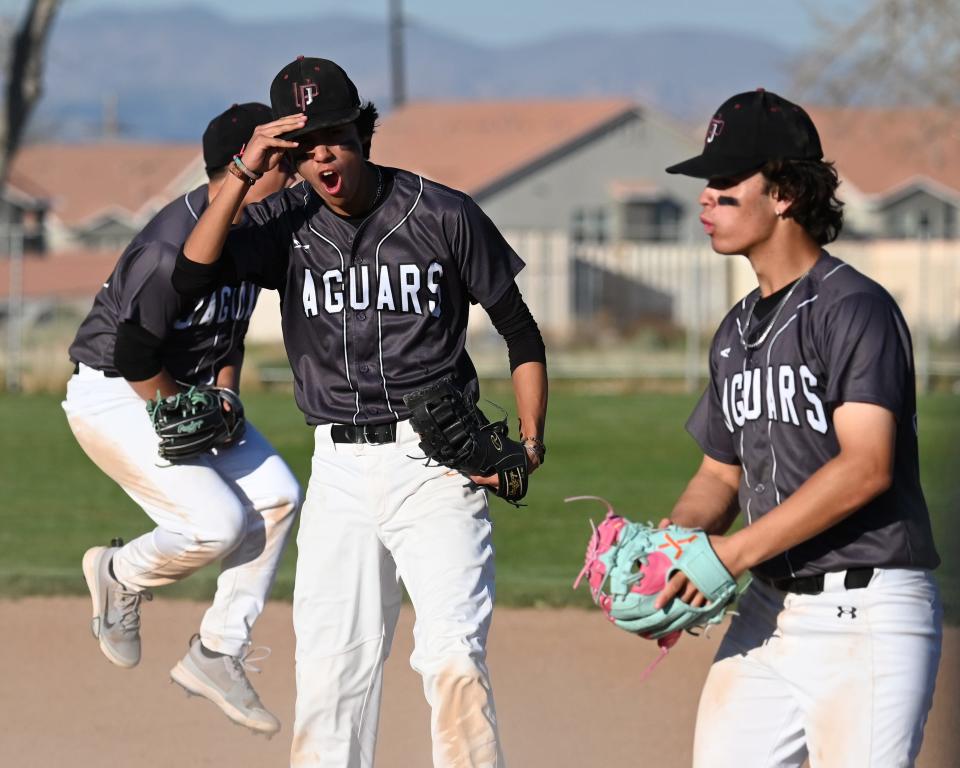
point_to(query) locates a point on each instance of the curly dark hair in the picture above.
(811, 186)
(366, 123)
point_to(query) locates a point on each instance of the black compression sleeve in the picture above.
(136, 354)
(512, 319)
(193, 280)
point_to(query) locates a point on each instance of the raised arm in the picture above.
(262, 153)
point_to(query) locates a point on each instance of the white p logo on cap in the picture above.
(714, 129)
(303, 95)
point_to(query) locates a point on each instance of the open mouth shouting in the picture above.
(332, 182)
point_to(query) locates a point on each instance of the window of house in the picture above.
(589, 226)
(949, 222)
(651, 220)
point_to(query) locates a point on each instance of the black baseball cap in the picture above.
(317, 87)
(228, 132)
(748, 130)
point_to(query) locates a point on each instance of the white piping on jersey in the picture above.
(383, 376)
(743, 456)
(186, 199)
(216, 337)
(773, 476)
(839, 266)
(346, 360)
(746, 475)
(749, 519)
(773, 452)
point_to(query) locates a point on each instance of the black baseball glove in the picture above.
(197, 420)
(455, 433)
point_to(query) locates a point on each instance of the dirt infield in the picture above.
(567, 695)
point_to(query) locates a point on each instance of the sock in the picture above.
(110, 571)
(210, 654)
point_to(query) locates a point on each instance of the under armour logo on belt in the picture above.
(851, 612)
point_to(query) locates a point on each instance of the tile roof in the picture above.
(85, 180)
(76, 273)
(472, 145)
(878, 150)
(635, 190)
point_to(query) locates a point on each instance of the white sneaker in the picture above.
(223, 680)
(116, 609)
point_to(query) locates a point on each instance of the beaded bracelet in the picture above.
(233, 169)
(253, 176)
(535, 447)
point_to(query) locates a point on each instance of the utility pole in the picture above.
(396, 54)
(13, 245)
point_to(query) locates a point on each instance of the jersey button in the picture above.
(361, 315)
(760, 488)
(364, 368)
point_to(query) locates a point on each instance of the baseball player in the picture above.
(808, 427)
(237, 504)
(376, 268)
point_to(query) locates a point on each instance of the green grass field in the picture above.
(627, 447)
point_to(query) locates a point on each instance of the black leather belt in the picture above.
(855, 578)
(76, 369)
(364, 433)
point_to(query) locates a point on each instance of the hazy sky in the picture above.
(509, 21)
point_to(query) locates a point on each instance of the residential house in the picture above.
(558, 176)
(577, 186)
(100, 195)
(592, 169)
(23, 205)
(900, 169)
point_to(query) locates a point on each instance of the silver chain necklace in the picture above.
(376, 197)
(773, 319)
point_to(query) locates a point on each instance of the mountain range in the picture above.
(161, 75)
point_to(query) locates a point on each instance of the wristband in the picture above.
(252, 175)
(235, 171)
(535, 447)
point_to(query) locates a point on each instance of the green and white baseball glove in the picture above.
(196, 421)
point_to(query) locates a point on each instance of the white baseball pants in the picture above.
(372, 516)
(844, 678)
(237, 505)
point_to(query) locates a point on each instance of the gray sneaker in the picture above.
(223, 680)
(116, 609)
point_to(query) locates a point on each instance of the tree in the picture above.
(24, 77)
(24, 85)
(894, 52)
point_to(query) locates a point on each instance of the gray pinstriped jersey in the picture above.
(196, 340)
(374, 311)
(839, 337)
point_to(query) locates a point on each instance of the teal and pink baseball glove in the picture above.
(627, 565)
